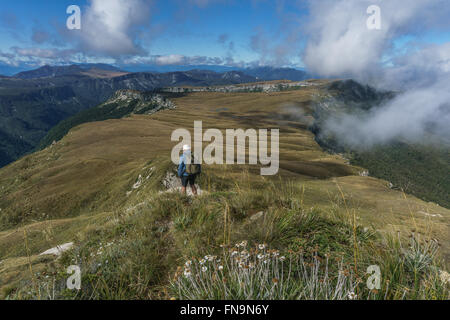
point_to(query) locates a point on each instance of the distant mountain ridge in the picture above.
(264, 73)
(32, 102)
(71, 70)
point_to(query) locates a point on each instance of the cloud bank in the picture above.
(341, 45)
(419, 115)
(339, 42)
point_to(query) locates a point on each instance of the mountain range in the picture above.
(32, 102)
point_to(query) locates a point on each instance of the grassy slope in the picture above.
(99, 113)
(76, 190)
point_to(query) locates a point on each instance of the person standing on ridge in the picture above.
(188, 170)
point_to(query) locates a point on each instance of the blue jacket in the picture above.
(182, 166)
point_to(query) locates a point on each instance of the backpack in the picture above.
(193, 168)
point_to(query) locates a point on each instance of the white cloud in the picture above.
(112, 27)
(173, 59)
(413, 115)
(425, 66)
(341, 45)
(39, 53)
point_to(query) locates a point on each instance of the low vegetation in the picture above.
(416, 169)
(234, 242)
(321, 220)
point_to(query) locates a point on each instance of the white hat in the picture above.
(186, 148)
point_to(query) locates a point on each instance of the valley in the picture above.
(32, 102)
(130, 240)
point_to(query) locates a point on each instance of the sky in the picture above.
(235, 33)
(401, 45)
(203, 31)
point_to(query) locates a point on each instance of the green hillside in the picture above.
(123, 103)
(419, 170)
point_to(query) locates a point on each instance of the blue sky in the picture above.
(225, 32)
(190, 30)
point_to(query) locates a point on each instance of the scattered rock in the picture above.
(58, 250)
(147, 103)
(257, 216)
(173, 184)
(138, 183)
(257, 87)
(430, 214)
(364, 173)
(171, 181)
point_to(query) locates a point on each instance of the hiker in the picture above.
(188, 170)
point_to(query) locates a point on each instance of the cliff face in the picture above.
(275, 86)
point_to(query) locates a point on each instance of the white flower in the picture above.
(352, 296)
(261, 246)
(244, 254)
(188, 263)
(234, 253)
(220, 268)
(244, 243)
(202, 261)
(444, 276)
(204, 269)
(260, 256)
(187, 273)
(282, 258)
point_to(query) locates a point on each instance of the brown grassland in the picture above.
(76, 190)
